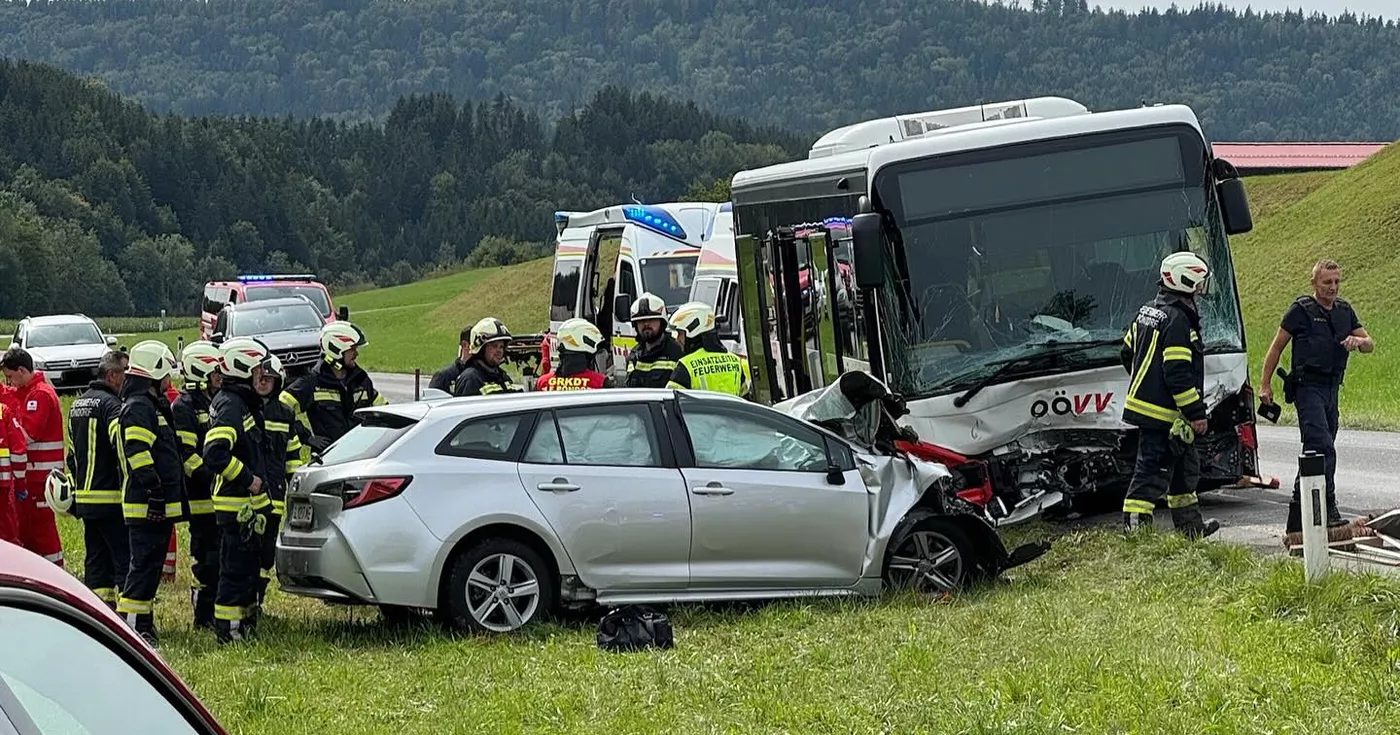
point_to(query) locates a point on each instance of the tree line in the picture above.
(109, 209)
(807, 65)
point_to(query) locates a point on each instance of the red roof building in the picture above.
(1269, 158)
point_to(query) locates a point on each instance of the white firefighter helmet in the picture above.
(200, 360)
(486, 331)
(273, 367)
(241, 355)
(337, 338)
(693, 319)
(579, 335)
(648, 306)
(1184, 272)
(58, 491)
(151, 359)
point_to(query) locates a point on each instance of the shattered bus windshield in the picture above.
(1001, 251)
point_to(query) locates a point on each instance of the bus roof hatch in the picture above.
(919, 124)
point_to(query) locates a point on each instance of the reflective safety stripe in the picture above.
(202, 417)
(221, 433)
(1186, 397)
(138, 434)
(106, 594)
(1139, 406)
(192, 463)
(1131, 505)
(380, 400)
(188, 438)
(140, 459)
(279, 507)
(235, 503)
(322, 395)
(1176, 353)
(160, 420)
(490, 388)
(1184, 500)
(45, 446)
(46, 466)
(138, 510)
(235, 466)
(281, 426)
(229, 612)
(97, 497)
(201, 507)
(128, 606)
(1142, 369)
(249, 423)
(647, 367)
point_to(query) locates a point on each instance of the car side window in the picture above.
(723, 437)
(488, 437)
(92, 689)
(612, 436)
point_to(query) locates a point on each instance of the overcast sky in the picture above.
(1388, 9)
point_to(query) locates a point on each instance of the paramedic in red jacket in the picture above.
(13, 456)
(580, 341)
(41, 418)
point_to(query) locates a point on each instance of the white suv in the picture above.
(66, 347)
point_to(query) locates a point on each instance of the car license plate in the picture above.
(301, 515)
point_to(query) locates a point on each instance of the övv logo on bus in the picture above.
(1063, 404)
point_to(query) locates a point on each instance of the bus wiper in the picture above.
(1053, 348)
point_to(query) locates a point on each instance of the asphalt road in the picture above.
(1368, 465)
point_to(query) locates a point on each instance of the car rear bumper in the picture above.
(321, 567)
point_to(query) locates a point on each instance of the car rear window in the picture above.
(368, 440)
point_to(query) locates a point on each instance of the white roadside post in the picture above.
(1312, 470)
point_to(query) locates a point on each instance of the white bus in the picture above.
(1000, 252)
(606, 258)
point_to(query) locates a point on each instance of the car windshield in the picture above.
(1054, 243)
(266, 320)
(60, 335)
(316, 295)
(669, 277)
(70, 682)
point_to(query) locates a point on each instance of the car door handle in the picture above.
(559, 485)
(713, 488)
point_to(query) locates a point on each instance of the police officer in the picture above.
(153, 482)
(324, 400)
(581, 342)
(704, 363)
(1165, 358)
(1324, 329)
(201, 361)
(238, 450)
(94, 466)
(651, 362)
(483, 375)
(284, 436)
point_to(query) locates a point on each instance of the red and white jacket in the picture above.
(41, 417)
(13, 452)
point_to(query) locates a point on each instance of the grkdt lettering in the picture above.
(1063, 404)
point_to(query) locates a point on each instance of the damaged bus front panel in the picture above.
(998, 270)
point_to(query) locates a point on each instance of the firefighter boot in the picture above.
(231, 631)
(1136, 521)
(1188, 522)
(145, 626)
(202, 600)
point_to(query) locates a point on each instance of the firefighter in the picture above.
(41, 417)
(483, 375)
(237, 449)
(285, 438)
(153, 484)
(1163, 354)
(325, 399)
(651, 362)
(13, 456)
(94, 468)
(581, 342)
(201, 362)
(444, 378)
(704, 363)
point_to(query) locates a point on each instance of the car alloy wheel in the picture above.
(931, 554)
(503, 593)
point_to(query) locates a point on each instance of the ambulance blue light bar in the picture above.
(654, 218)
(264, 278)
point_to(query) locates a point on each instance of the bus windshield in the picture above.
(1000, 252)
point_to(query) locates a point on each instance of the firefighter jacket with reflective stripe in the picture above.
(237, 448)
(650, 365)
(446, 377)
(704, 369)
(1165, 360)
(479, 379)
(153, 472)
(95, 463)
(41, 417)
(191, 413)
(284, 433)
(325, 404)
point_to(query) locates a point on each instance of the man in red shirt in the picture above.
(41, 418)
(14, 452)
(580, 340)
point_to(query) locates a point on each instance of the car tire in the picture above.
(931, 553)
(470, 606)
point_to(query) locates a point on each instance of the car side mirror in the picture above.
(111, 341)
(622, 307)
(869, 249)
(343, 314)
(834, 475)
(1234, 206)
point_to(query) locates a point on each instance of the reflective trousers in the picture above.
(1166, 468)
(205, 539)
(240, 560)
(137, 600)
(106, 555)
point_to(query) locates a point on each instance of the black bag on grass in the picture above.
(633, 628)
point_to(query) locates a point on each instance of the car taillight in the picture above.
(1247, 436)
(365, 490)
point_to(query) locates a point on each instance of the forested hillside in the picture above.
(111, 210)
(807, 65)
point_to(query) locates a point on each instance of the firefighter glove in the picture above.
(1182, 431)
(155, 508)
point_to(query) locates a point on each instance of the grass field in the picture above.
(1100, 635)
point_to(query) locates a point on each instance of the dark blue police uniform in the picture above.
(1319, 364)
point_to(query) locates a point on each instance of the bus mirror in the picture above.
(1234, 207)
(622, 307)
(868, 250)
